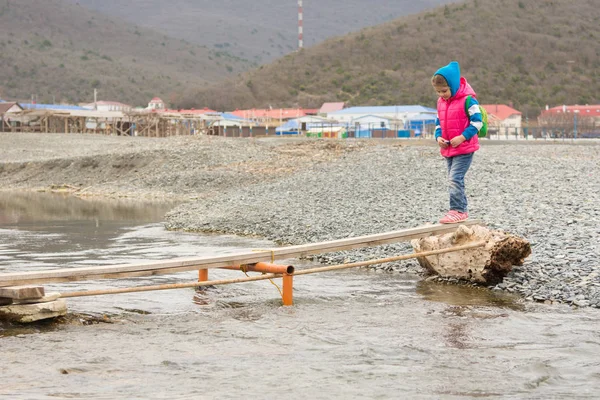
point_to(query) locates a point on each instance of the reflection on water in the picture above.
(23, 208)
(357, 333)
(40, 230)
(71, 232)
(464, 295)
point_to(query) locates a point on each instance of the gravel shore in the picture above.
(296, 191)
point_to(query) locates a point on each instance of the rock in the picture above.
(482, 265)
(46, 299)
(25, 313)
(581, 303)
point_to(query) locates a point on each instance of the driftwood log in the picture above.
(486, 265)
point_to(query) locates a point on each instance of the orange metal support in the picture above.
(202, 275)
(288, 290)
(267, 268)
(264, 267)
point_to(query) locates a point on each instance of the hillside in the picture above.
(259, 30)
(58, 51)
(511, 51)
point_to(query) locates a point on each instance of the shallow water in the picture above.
(351, 334)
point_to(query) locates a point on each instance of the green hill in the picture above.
(58, 51)
(528, 53)
(262, 30)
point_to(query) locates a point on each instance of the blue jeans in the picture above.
(457, 169)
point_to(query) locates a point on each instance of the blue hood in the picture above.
(452, 74)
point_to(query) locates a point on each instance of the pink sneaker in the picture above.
(453, 216)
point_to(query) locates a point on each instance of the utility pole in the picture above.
(95, 99)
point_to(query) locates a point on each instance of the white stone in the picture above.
(25, 313)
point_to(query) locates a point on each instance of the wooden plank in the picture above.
(248, 257)
(22, 292)
(48, 297)
(170, 286)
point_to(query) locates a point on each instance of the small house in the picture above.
(372, 126)
(7, 109)
(502, 118)
(156, 104)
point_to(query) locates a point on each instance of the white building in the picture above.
(375, 122)
(156, 104)
(400, 113)
(108, 106)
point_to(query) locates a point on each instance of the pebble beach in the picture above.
(296, 191)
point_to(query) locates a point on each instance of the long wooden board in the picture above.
(247, 257)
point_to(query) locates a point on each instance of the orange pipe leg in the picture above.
(202, 275)
(269, 268)
(265, 268)
(288, 290)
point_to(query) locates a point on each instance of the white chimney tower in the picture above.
(300, 30)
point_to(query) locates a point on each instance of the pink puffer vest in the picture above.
(454, 120)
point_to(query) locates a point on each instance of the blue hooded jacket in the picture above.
(451, 73)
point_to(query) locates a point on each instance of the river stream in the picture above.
(358, 333)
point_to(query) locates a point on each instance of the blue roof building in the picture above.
(232, 117)
(33, 106)
(375, 110)
(400, 113)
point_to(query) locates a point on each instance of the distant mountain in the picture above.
(257, 30)
(54, 50)
(528, 53)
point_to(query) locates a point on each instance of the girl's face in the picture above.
(444, 92)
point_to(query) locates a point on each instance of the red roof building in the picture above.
(585, 119)
(587, 110)
(156, 104)
(502, 116)
(331, 107)
(500, 111)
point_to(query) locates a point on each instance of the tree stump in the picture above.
(487, 265)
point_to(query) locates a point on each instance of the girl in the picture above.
(456, 134)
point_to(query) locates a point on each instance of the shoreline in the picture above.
(305, 190)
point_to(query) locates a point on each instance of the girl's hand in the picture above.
(442, 142)
(456, 141)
